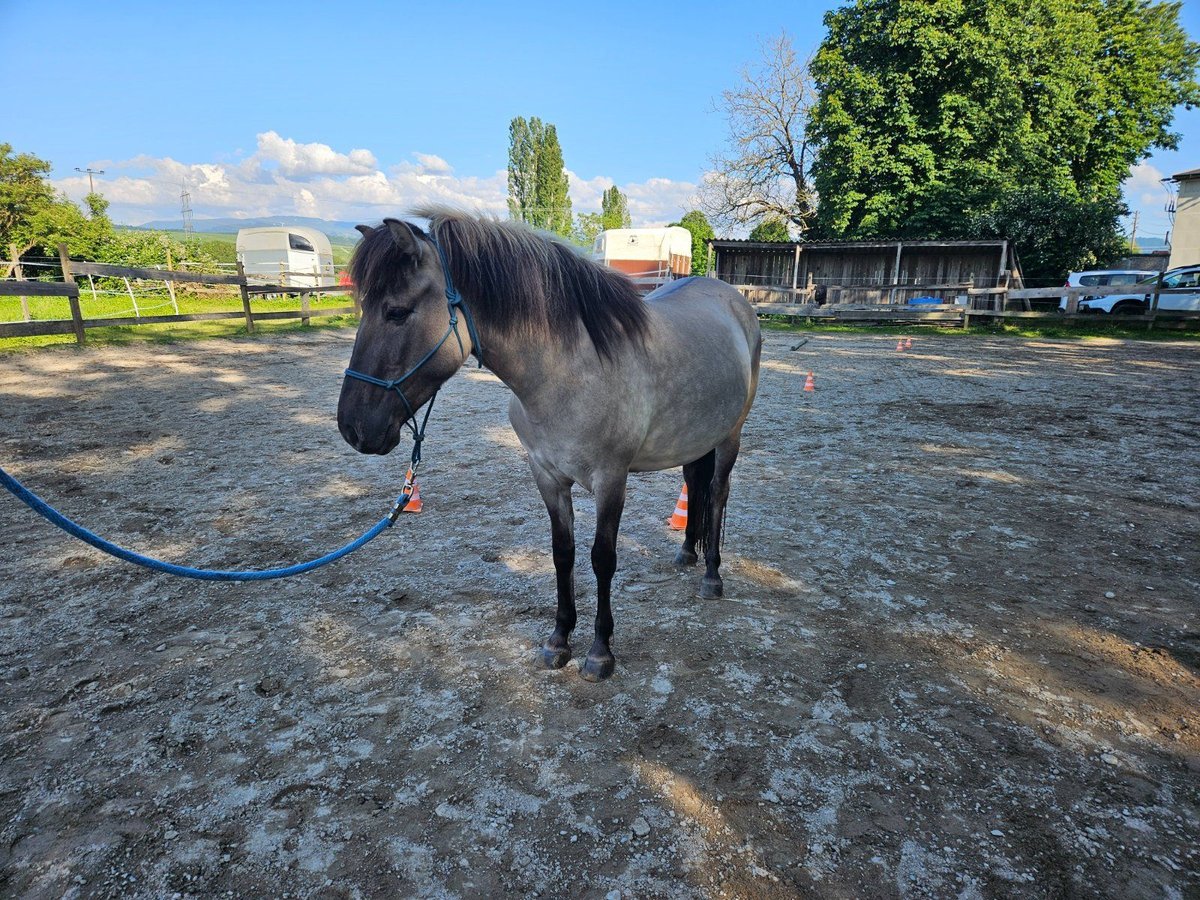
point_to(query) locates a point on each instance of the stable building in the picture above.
(862, 272)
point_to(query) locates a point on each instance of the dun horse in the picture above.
(604, 383)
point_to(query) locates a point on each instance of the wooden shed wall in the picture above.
(865, 273)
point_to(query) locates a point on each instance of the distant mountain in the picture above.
(337, 230)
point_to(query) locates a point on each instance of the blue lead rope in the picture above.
(454, 302)
(40, 506)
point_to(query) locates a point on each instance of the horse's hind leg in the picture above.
(610, 503)
(711, 586)
(698, 476)
(556, 652)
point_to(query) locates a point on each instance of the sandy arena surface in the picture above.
(958, 655)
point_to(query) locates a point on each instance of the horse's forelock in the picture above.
(377, 266)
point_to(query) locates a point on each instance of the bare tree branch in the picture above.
(765, 170)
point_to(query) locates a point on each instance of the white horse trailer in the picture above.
(650, 256)
(290, 255)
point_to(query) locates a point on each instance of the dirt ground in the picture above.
(958, 655)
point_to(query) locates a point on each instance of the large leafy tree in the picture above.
(764, 169)
(772, 228)
(702, 232)
(537, 177)
(1056, 232)
(32, 214)
(932, 113)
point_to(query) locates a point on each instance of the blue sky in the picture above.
(358, 110)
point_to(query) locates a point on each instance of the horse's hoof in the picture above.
(598, 668)
(685, 558)
(553, 657)
(711, 589)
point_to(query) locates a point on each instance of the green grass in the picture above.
(1101, 329)
(44, 308)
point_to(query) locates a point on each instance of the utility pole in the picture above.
(1133, 232)
(90, 172)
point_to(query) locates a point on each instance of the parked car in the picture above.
(1138, 303)
(1101, 278)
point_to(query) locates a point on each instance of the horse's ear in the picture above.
(406, 239)
(364, 230)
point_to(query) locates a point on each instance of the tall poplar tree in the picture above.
(614, 209)
(537, 177)
(524, 138)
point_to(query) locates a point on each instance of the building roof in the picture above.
(742, 244)
(1190, 173)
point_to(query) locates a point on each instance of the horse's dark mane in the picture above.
(522, 282)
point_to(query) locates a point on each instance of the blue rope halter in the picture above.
(454, 302)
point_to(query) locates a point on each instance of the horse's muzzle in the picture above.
(380, 442)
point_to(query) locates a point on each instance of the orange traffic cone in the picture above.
(410, 488)
(900, 345)
(678, 519)
(809, 384)
(908, 343)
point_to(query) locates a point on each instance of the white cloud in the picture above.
(283, 177)
(302, 160)
(433, 165)
(1144, 186)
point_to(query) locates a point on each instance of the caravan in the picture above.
(289, 255)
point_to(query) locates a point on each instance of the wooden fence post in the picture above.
(245, 297)
(1153, 310)
(19, 272)
(1073, 295)
(304, 308)
(64, 259)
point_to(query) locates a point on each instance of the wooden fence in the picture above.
(78, 325)
(997, 303)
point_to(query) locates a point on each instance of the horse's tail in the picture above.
(700, 497)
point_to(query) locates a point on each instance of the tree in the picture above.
(931, 114)
(702, 232)
(766, 167)
(587, 228)
(524, 138)
(614, 209)
(1055, 232)
(772, 228)
(32, 214)
(537, 178)
(553, 204)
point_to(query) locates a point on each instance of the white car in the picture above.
(1102, 278)
(1137, 304)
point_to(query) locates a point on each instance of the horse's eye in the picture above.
(397, 314)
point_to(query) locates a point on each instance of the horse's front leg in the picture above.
(556, 494)
(711, 586)
(610, 503)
